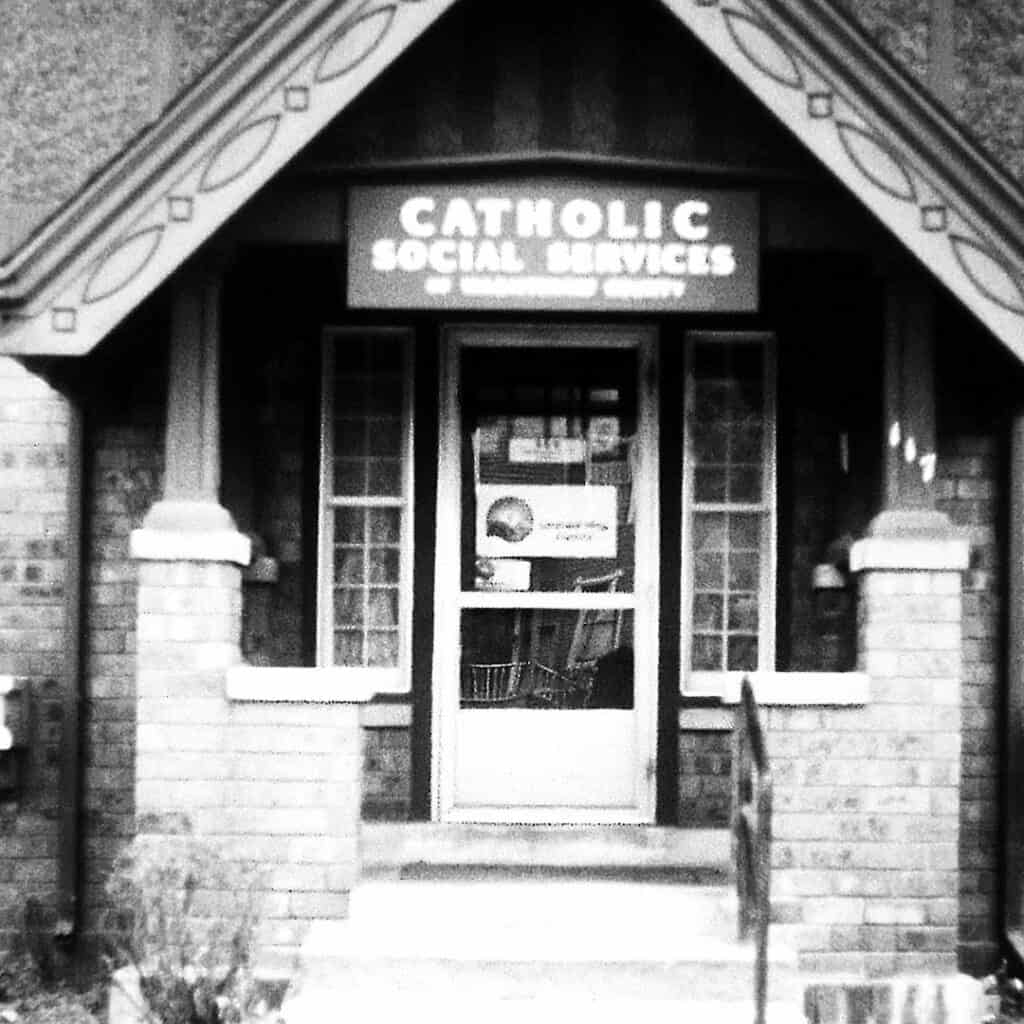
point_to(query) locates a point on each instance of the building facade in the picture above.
(435, 414)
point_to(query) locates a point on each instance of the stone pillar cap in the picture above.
(190, 530)
(912, 540)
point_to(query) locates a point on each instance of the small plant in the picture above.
(27, 997)
(186, 920)
(1007, 990)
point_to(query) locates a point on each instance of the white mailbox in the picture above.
(13, 713)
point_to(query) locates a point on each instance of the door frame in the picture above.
(642, 337)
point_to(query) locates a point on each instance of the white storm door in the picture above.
(545, 654)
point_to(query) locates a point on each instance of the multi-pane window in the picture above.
(365, 527)
(729, 504)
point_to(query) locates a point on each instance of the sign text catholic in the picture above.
(536, 246)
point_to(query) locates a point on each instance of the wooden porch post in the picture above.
(910, 637)
(190, 506)
(910, 458)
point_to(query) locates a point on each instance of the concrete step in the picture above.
(552, 941)
(448, 1004)
(410, 850)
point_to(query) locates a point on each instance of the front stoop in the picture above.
(557, 942)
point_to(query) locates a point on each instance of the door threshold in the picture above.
(605, 847)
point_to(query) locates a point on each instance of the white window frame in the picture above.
(721, 684)
(378, 679)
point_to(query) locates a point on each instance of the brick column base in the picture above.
(276, 782)
(868, 798)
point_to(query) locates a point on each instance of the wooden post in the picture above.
(910, 457)
(192, 447)
(190, 505)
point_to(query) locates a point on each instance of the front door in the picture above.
(545, 661)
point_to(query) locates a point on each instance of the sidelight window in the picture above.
(729, 507)
(365, 502)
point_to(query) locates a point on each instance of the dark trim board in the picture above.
(424, 541)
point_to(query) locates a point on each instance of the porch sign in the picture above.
(555, 521)
(538, 245)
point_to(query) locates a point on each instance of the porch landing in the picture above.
(462, 918)
(466, 941)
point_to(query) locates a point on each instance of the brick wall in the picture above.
(124, 461)
(387, 773)
(276, 782)
(33, 528)
(705, 782)
(866, 860)
(969, 493)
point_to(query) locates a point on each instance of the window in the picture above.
(365, 548)
(728, 507)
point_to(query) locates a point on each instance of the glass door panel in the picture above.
(547, 507)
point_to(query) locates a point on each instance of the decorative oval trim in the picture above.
(354, 42)
(875, 159)
(238, 152)
(121, 265)
(763, 48)
(981, 265)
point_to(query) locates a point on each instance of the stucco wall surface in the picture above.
(79, 78)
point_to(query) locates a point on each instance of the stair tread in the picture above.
(322, 1004)
(527, 920)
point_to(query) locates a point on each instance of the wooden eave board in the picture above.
(141, 217)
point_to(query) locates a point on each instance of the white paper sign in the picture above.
(558, 450)
(545, 522)
(502, 574)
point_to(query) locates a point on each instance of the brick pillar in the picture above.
(273, 779)
(868, 795)
(272, 775)
(910, 646)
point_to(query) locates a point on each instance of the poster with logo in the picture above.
(514, 521)
(538, 244)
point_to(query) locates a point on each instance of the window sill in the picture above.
(784, 689)
(301, 685)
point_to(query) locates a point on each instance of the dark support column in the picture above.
(908, 495)
(1013, 907)
(910, 567)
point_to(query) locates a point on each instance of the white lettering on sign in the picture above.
(684, 220)
(535, 218)
(411, 216)
(614, 247)
(578, 218)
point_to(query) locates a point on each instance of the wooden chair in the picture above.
(598, 631)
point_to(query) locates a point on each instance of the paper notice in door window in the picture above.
(604, 435)
(549, 450)
(545, 522)
(502, 574)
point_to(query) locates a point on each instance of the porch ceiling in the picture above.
(139, 218)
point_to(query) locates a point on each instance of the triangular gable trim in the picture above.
(885, 139)
(128, 230)
(308, 62)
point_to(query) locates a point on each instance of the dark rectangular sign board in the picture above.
(552, 245)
